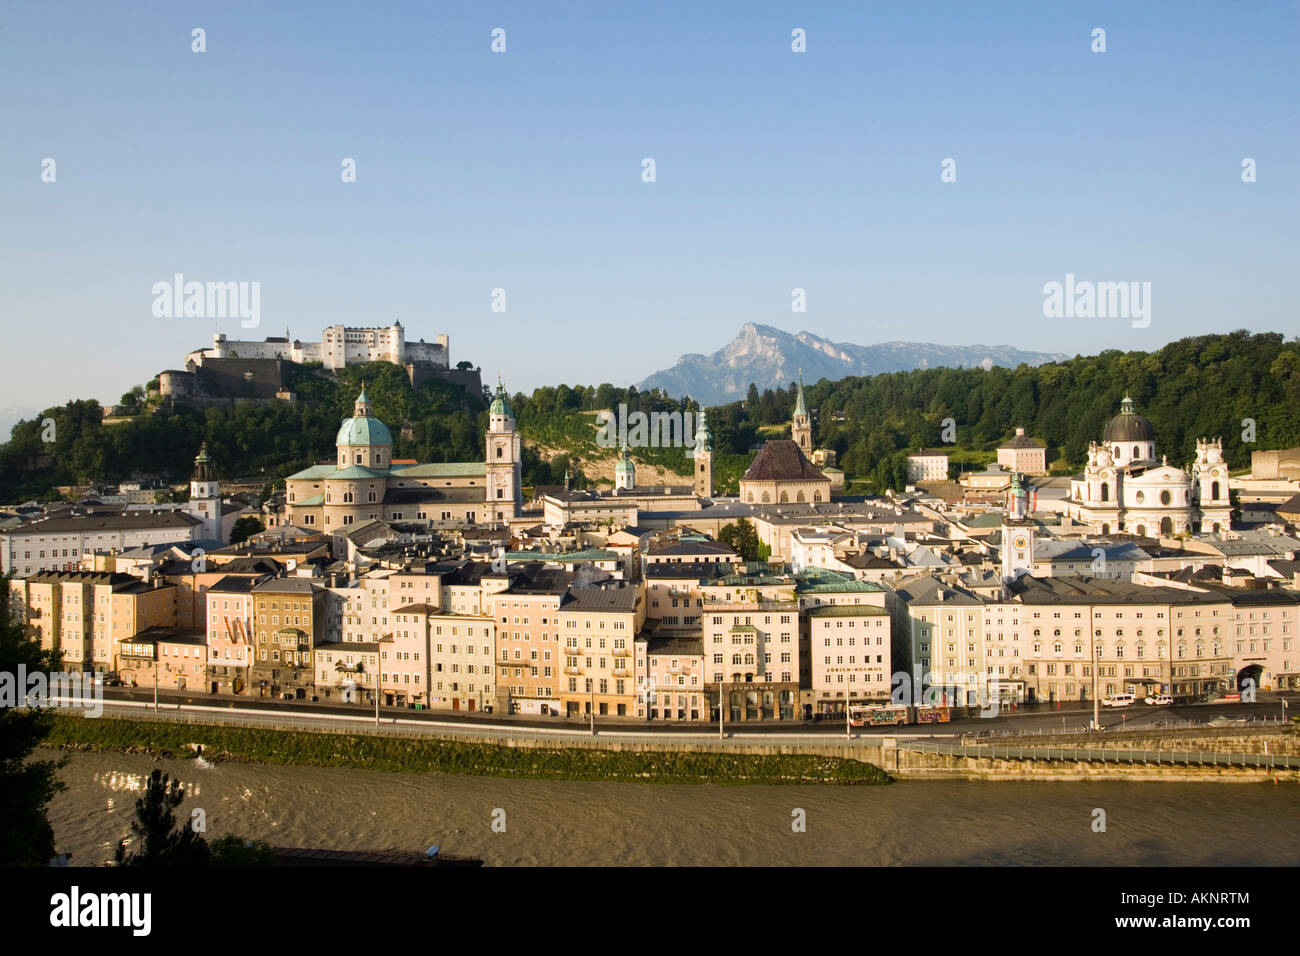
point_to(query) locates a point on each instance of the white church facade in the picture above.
(1125, 489)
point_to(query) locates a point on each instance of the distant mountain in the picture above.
(771, 358)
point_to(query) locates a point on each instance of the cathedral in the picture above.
(365, 483)
(1125, 489)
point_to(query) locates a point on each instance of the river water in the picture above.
(562, 823)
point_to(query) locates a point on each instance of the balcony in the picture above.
(623, 652)
(622, 672)
(573, 670)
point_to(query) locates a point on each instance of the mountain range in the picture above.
(771, 358)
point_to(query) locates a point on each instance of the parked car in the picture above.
(1159, 700)
(1119, 700)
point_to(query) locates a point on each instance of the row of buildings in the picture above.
(436, 585)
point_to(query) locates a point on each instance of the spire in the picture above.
(361, 408)
(800, 408)
(703, 438)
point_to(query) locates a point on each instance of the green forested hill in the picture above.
(1193, 387)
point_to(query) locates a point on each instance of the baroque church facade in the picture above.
(1125, 489)
(364, 482)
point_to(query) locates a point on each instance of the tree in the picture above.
(245, 528)
(233, 850)
(160, 843)
(464, 365)
(743, 539)
(26, 786)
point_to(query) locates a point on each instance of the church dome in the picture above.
(500, 406)
(363, 431)
(1128, 425)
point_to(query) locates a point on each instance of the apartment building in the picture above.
(173, 657)
(849, 652)
(1140, 639)
(289, 621)
(229, 617)
(526, 661)
(670, 677)
(85, 615)
(598, 627)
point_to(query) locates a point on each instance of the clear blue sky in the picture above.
(523, 171)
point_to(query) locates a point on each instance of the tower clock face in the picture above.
(1020, 542)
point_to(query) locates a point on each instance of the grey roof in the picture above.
(1075, 589)
(125, 521)
(601, 599)
(286, 586)
(679, 645)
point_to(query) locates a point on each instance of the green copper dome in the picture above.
(624, 465)
(363, 431)
(499, 404)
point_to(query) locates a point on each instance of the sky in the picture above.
(523, 171)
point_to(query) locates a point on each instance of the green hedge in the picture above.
(416, 755)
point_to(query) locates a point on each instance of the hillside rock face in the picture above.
(771, 358)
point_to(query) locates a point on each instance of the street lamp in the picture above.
(1096, 701)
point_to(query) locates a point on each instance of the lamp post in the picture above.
(155, 685)
(721, 719)
(848, 724)
(591, 706)
(1096, 702)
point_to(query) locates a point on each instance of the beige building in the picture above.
(670, 677)
(1142, 639)
(849, 650)
(598, 627)
(289, 623)
(782, 473)
(1023, 455)
(175, 657)
(365, 483)
(86, 615)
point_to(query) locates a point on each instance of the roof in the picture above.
(363, 431)
(847, 610)
(124, 521)
(676, 644)
(286, 586)
(445, 469)
(1079, 589)
(1022, 441)
(782, 460)
(1128, 425)
(600, 599)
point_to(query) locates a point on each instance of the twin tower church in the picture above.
(366, 483)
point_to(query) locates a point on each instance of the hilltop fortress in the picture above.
(236, 371)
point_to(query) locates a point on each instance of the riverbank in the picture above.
(414, 755)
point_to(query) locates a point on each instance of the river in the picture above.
(563, 823)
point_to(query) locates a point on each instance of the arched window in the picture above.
(1214, 492)
(372, 497)
(785, 497)
(1137, 452)
(1105, 491)
(499, 451)
(800, 497)
(817, 496)
(766, 498)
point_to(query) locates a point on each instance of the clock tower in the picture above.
(1017, 534)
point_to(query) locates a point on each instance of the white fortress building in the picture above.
(1125, 489)
(339, 346)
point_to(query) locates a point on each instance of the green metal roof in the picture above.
(314, 472)
(847, 610)
(357, 471)
(311, 502)
(363, 431)
(445, 469)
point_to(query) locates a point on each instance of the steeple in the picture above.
(361, 408)
(801, 423)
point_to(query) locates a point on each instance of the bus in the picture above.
(877, 715)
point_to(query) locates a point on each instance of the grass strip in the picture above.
(421, 755)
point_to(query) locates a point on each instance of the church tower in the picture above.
(801, 424)
(504, 481)
(703, 455)
(1210, 485)
(205, 496)
(1017, 533)
(624, 472)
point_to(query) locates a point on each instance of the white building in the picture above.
(928, 464)
(1123, 487)
(340, 346)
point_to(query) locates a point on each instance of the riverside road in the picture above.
(1032, 719)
